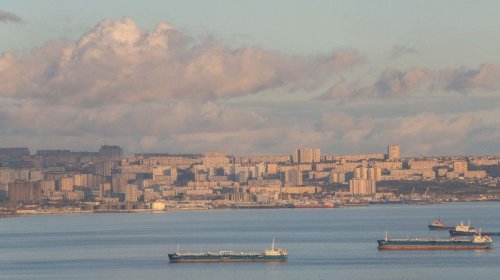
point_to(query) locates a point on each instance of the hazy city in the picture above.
(62, 181)
(231, 139)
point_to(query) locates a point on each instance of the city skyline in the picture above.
(246, 80)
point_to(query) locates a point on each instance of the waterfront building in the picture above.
(83, 180)
(23, 191)
(104, 189)
(47, 187)
(131, 193)
(362, 186)
(65, 184)
(118, 181)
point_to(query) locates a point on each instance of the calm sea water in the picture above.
(322, 244)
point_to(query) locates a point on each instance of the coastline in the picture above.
(26, 213)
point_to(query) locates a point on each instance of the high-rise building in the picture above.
(337, 177)
(307, 155)
(460, 166)
(130, 191)
(104, 168)
(393, 152)
(119, 181)
(24, 191)
(65, 184)
(293, 177)
(362, 186)
(82, 180)
(47, 187)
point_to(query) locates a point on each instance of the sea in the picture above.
(322, 244)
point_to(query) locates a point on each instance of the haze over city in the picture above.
(251, 78)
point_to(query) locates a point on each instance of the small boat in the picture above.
(478, 242)
(438, 225)
(269, 255)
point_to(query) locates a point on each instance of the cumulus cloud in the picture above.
(119, 62)
(9, 17)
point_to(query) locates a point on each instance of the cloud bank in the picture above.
(119, 62)
(163, 90)
(395, 82)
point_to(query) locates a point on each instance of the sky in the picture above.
(251, 77)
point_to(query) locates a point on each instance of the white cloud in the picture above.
(119, 62)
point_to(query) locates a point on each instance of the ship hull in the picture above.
(463, 233)
(466, 233)
(432, 245)
(434, 227)
(224, 258)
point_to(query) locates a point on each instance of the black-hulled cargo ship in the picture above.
(269, 255)
(467, 230)
(463, 230)
(478, 242)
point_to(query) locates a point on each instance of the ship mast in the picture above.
(272, 247)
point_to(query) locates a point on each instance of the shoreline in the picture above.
(168, 210)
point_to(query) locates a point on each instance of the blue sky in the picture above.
(450, 33)
(400, 65)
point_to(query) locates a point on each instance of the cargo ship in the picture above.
(478, 242)
(463, 230)
(269, 255)
(438, 225)
(467, 230)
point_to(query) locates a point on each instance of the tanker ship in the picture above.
(269, 255)
(477, 242)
